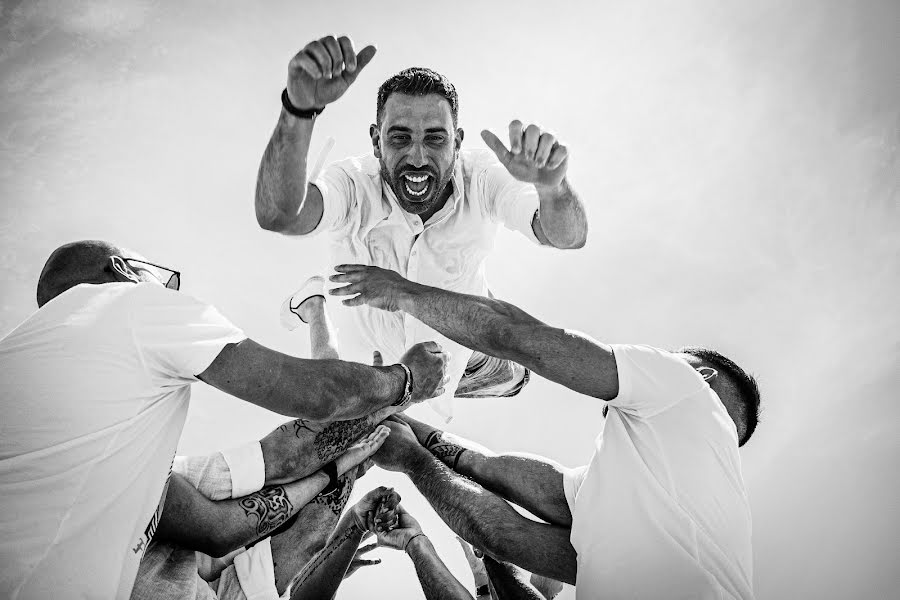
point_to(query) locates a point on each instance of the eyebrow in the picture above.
(402, 129)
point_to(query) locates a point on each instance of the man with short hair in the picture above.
(660, 511)
(97, 383)
(421, 204)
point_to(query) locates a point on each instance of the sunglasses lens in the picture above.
(174, 282)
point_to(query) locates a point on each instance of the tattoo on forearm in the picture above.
(270, 507)
(340, 435)
(447, 452)
(322, 557)
(338, 498)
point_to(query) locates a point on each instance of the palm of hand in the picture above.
(525, 170)
(398, 537)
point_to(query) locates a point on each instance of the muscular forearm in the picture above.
(219, 527)
(533, 482)
(562, 216)
(322, 575)
(438, 583)
(281, 184)
(508, 582)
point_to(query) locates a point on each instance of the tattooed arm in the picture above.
(322, 575)
(218, 527)
(533, 482)
(477, 515)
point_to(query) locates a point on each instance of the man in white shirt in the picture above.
(96, 386)
(419, 204)
(660, 511)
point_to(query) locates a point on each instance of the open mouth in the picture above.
(416, 185)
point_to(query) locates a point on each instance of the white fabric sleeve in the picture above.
(652, 380)
(248, 469)
(572, 480)
(337, 189)
(209, 474)
(256, 572)
(508, 200)
(177, 335)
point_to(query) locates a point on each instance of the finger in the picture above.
(305, 62)
(367, 548)
(364, 57)
(357, 301)
(367, 562)
(322, 57)
(347, 290)
(352, 277)
(515, 136)
(530, 141)
(377, 359)
(348, 53)
(558, 156)
(438, 392)
(545, 145)
(334, 52)
(350, 268)
(496, 146)
(432, 346)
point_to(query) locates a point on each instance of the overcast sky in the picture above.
(739, 162)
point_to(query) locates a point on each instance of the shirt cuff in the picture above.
(248, 468)
(256, 572)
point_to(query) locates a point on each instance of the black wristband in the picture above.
(330, 469)
(483, 590)
(311, 113)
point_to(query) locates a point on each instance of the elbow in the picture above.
(573, 241)
(268, 221)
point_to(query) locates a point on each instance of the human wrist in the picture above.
(553, 192)
(416, 542)
(407, 295)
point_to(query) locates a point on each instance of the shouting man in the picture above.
(420, 204)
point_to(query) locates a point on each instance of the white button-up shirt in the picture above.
(368, 226)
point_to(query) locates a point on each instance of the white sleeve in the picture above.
(651, 380)
(572, 480)
(338, 191)
(177, 335)
(231, 473)
(508, 200)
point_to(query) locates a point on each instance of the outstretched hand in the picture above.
(397, 538)
(377, 287)
(358, 561)
(357, 454)
(323, 70)
(533, 156)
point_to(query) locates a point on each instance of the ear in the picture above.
(121, 271)
(458, 138)
(375, 134)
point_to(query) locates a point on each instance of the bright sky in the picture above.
(739, 161)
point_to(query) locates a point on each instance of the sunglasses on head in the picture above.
(174, 280)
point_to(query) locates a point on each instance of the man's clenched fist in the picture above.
(427, 362)
(321, 72)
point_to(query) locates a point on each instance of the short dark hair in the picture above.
(417, 81)
(746, 386)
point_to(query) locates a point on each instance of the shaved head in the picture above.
(87, 261)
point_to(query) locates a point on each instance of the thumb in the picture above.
(494, 143)
(363, 57)
(377, 359)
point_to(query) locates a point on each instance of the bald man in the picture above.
(96, 386)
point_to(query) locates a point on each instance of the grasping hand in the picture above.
(321, 72)
(375, 510)
(398, 447)
(534, 156)
(398, 538)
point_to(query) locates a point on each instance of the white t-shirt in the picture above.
(367, 226)
(661, 510)
(95, 389)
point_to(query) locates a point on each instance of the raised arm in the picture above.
(536, 157)
(491, 326)
(318, 75)
(218, 527)
(475, 514)
(322, 390)
(533, 482)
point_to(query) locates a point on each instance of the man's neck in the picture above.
(445, 195)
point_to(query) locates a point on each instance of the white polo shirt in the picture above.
(95, 388)
(368, 226)
(661, 510)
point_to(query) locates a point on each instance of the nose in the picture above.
(417, 156)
